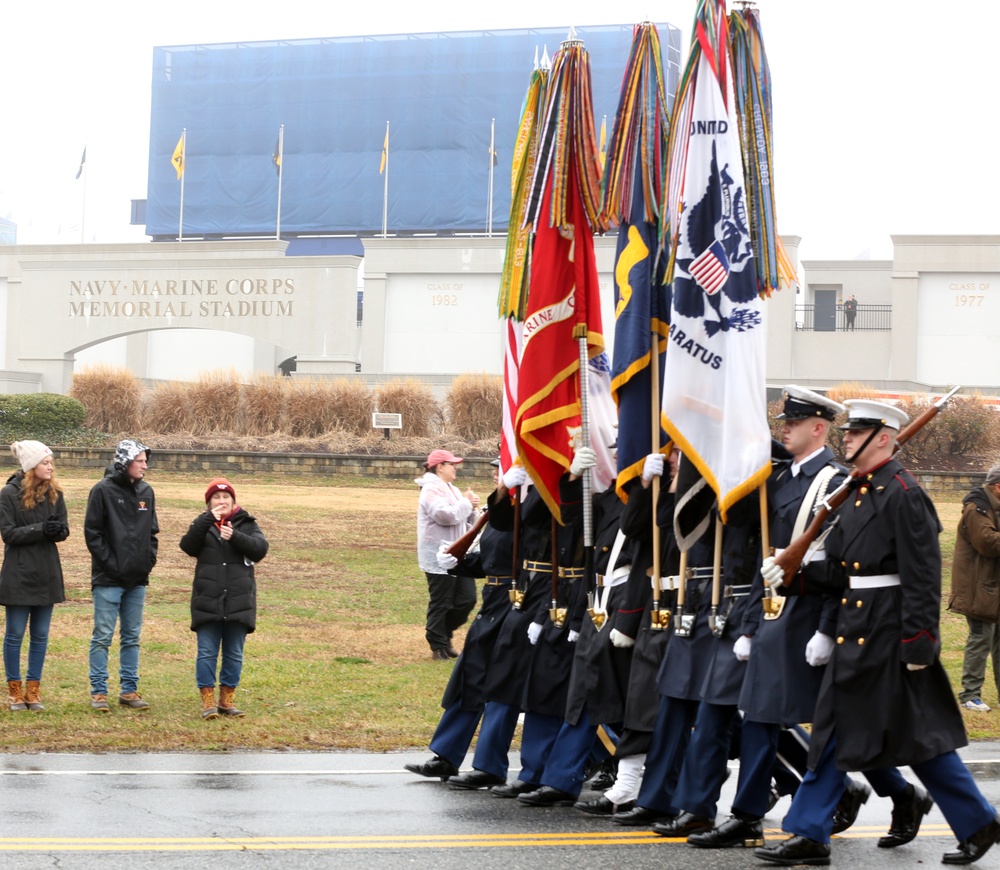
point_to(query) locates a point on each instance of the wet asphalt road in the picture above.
(348, 810)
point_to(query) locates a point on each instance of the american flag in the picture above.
(711, 268)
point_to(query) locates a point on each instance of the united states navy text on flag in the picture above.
(714, 398)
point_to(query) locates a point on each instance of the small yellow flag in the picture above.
(178, 158)
(385, 152)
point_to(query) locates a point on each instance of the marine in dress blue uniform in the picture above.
(787, 653)
(885, 698)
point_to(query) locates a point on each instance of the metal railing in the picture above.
(869, 318)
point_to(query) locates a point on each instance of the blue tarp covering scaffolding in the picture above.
(439, 91)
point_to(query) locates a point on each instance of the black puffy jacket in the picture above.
(224, 586)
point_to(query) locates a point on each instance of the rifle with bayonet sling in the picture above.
(790, 559)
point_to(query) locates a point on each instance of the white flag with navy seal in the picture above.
(714, 393)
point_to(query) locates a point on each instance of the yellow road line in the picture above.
(394, 841)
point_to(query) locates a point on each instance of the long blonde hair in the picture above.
(35, 490)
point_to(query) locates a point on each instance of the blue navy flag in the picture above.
(642, 307)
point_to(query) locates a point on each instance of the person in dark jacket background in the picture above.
(120, 529)
(975, 587)
(32, 520)
(226, 541)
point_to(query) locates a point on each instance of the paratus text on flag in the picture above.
(714, 398)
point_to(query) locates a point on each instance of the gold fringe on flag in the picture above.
(517, 259)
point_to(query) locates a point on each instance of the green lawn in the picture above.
(338, 660)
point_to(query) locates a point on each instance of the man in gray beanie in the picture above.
(975, 587)
(120, 529)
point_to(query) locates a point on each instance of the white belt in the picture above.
(875, 581)
(667, 584)
(616, 578)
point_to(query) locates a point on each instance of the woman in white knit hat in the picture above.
(32, 520)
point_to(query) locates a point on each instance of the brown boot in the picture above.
(33, 696)
(208, 708)
(15, 695)
(226, 705)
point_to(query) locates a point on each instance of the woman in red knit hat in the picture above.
(227, 542)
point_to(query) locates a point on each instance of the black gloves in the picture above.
(52, 528)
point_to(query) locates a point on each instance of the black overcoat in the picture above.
(32, 573)
(883, 714)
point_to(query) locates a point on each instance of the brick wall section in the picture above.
(212, 463)
(215, 463)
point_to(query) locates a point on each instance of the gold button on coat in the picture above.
(840, 640)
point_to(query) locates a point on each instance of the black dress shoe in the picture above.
(796, 850)
(437, 766)
(908, 811)
(546, 796)
(601, 806)
(451, 652)
(604, 777)
(639, 817)
(976, 846)
(440, 655)
(475, 779)
(732, 832)
(517, 787)
(684, 825)
(849, 805)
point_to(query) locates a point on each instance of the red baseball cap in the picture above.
(439, 456)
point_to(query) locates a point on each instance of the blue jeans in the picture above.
(230, 636)
(115, 604)
(18, 616)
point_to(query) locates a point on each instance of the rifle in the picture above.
(791, 557)
(459, 548)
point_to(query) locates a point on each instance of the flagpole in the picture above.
(180, 219)
(580, 332)
(489, 196)
(385, 192)
(658, 623)
(83, 205)
(281, 162)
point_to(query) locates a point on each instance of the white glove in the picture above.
(819, 649)
(573, 636)
(446, 560)
(741, 649)
(586, 457)
(652, 467)
(910, 667)
(772, 573)
(514, 477)
(622, 641)
(534, 632)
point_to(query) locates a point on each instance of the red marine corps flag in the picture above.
(714, 398)
(563, 300)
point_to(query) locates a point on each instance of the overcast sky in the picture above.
(885, 114)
